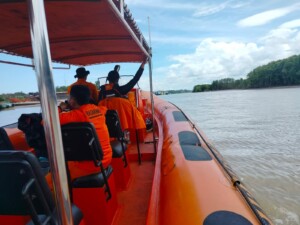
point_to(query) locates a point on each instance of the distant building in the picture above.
(161, 92)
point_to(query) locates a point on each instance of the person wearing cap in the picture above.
(82, 111)
(81, 74)
(112, 96)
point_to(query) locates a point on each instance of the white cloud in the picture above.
(202, 9)
(162, 4)
(206, 10)
(267, 16)
(209, 9)
(175, 39)
(291, 24)
(219, 59)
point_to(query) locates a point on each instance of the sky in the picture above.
(194, 42)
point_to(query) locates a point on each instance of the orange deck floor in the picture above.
(134, 201)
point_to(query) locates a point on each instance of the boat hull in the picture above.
(192, 183)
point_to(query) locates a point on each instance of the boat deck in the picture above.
(134, 201)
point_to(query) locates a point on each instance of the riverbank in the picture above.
(241, 89)
(5, 105)
(26, 103)
(22, 99)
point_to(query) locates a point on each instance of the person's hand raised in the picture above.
(144, 62)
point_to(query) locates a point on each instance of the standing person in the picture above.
(113, 89)
(82, 111)
(112, 96)
(81, 74)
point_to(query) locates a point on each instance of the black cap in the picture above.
(81, 72)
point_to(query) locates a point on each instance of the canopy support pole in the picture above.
(31, 65)
(152, 99)
(151, 88)
(43, 69)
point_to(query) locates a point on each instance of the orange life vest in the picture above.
(130, 117)
(96, 115)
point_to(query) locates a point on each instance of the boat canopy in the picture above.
(80, 32)
(85, 33)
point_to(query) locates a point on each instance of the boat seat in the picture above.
(24, 190)
(76, 213)
(118, 150)
(188, 138)
(130, 117)
(191, 147)
(119, 145)
(5, 143)
(81, 143)
(93, 180)
(179, 116)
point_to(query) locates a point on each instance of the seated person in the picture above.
(82, 74)
(82, 111)
(111, 96)
(130, 116)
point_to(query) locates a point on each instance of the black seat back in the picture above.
(113, 124)
(23, 189)
(5, 143)
(81, 142)
(115, 130)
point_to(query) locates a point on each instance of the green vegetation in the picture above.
(284, 72)
(22, 97)
(7, 99)
(61, 88)
(13, 96)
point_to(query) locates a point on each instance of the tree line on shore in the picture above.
(19, 97)
(25, 97)
(285, 72)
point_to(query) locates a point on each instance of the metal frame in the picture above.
(152, 100)
(43, 69)
(32, 66)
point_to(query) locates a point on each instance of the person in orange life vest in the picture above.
(81, 74)
(83, 111)
(111, 96)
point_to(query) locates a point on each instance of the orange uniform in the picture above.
(95, 115)
(130, 117)
(92, 87)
